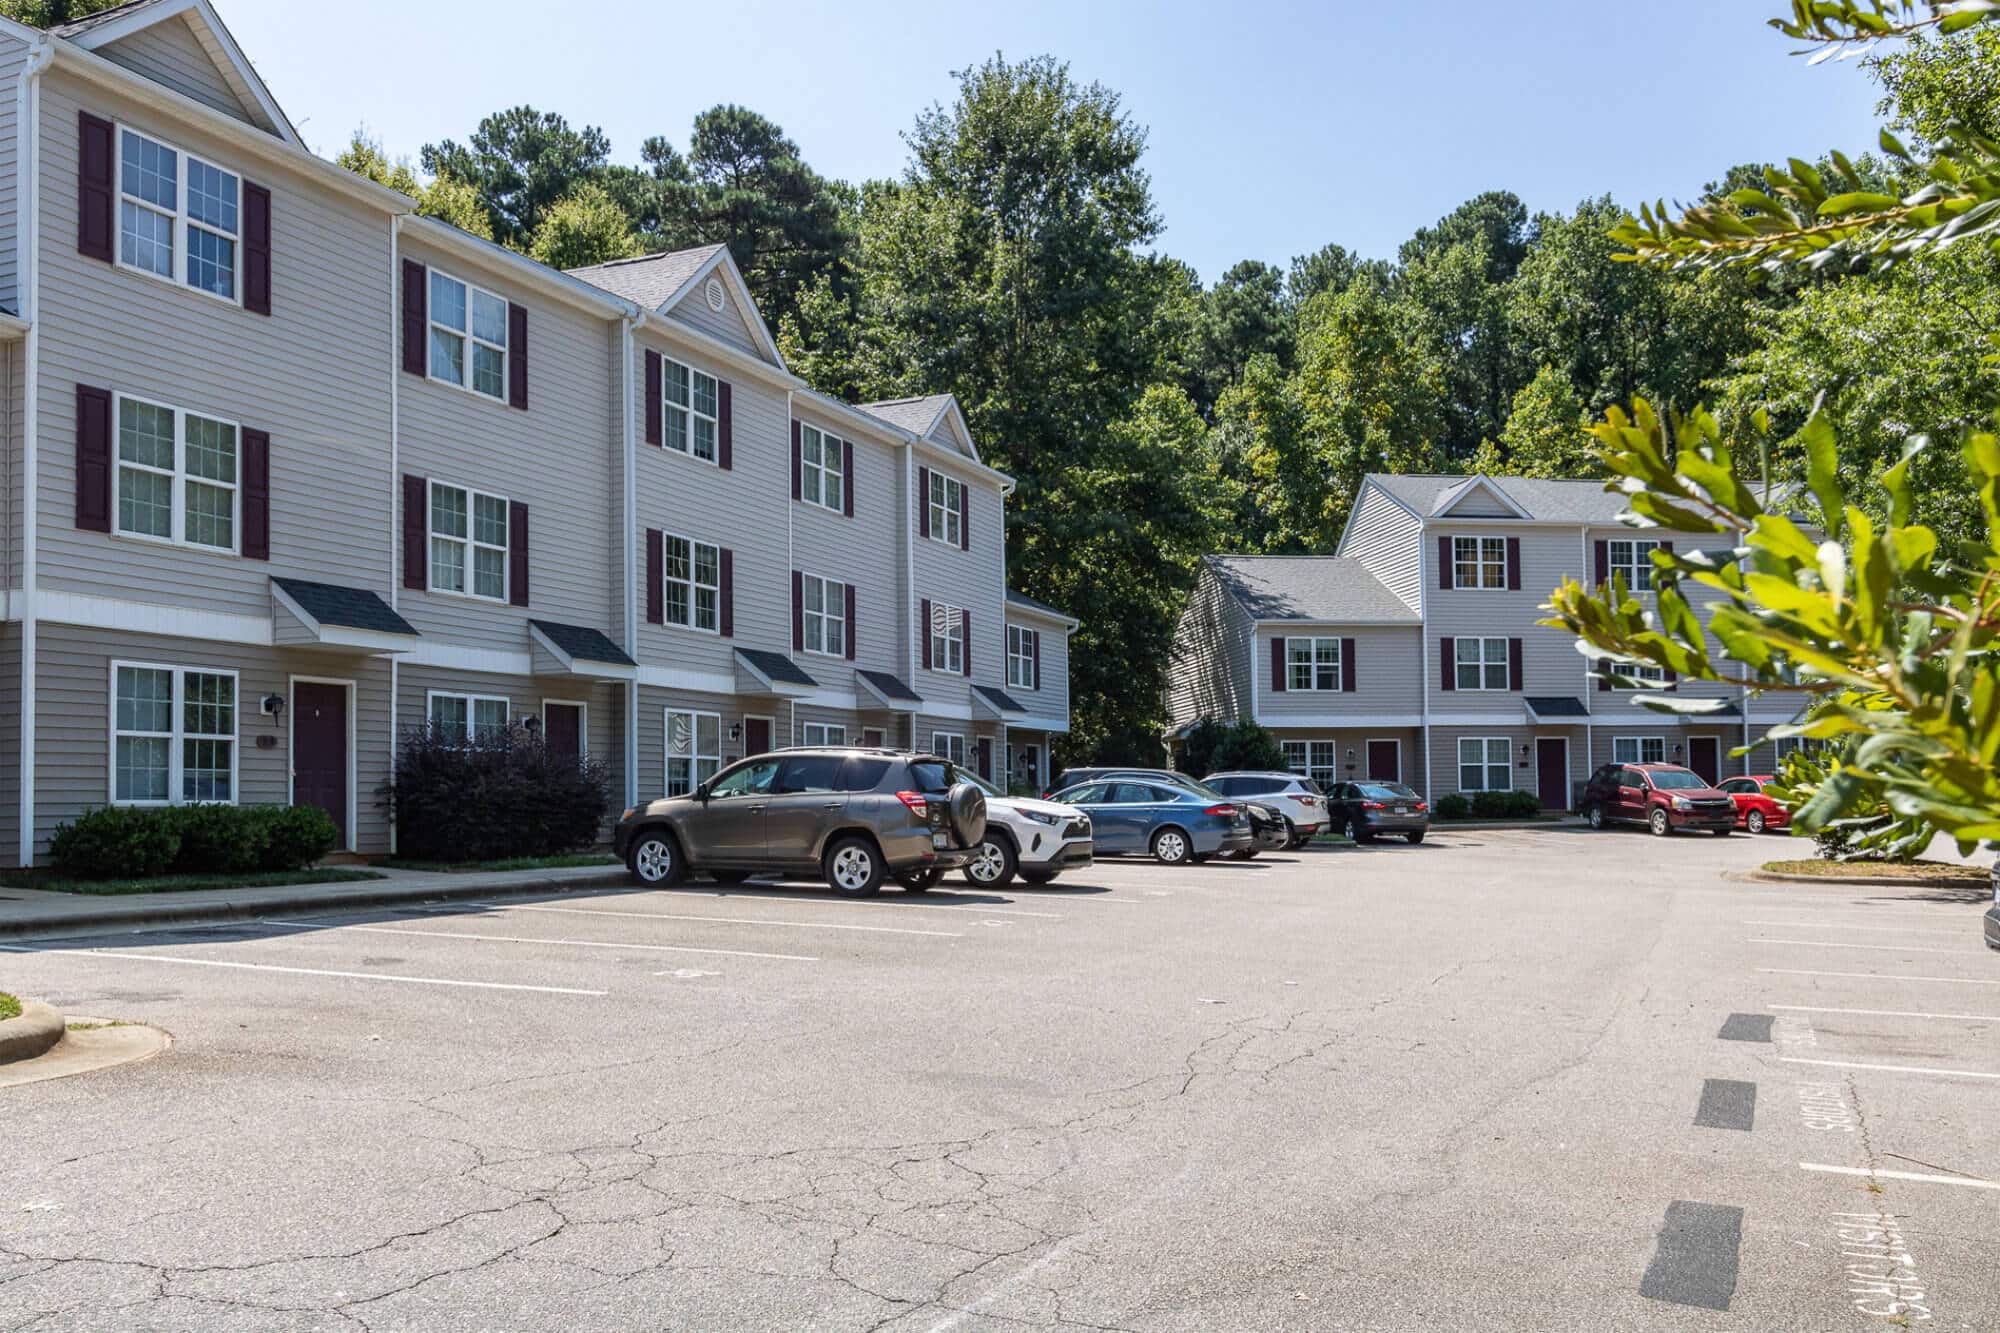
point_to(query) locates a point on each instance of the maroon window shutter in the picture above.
(1444, 563)
(416, 533)
(1515, 675)
(1448, 660)
(96, 188)
(517, 356)
(1347, 665)
(1604, 673)
(256, 249)
(964, 518)
(924, 632)
(847, 477)
(655, 409)
(1035, 650)
(656, 577)
(1671, 677)
(256, 495)
(798, 611)
(728, 596)
(517, 553)
(850, 622)
(1668, 547)
(1278, 665)
(923, 502)
(1514, 564)
(798, 463)
(725, 426)
(93, 458)
(1603, 562)
(416, 317)
(965, 639)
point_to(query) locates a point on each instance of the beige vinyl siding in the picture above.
(745, 510)
(1702, 598)
(729, 324)
(1444, 755)
(169, 53)
(832, 717)
(10, 740)
(314, 374)
(861, 551)
(13, 55)
(1728, 734)
(930, 724)
(1384, 683)
(1210, 657)
(1384, 537)
(73, 719)
(1048, 707)
(1480, 502)
(974, 580)
(1550, 664)
(559, 458)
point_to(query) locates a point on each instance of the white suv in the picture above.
(1037, 840)
(1298, 799)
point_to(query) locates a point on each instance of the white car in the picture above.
(1298, 799)
(1037, 840)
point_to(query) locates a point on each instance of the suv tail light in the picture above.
(1225, 811)
(920, 804)
(1307, 801)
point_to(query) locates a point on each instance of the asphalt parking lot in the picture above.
(1505, 1080)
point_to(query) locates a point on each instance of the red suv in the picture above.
(1663, 797)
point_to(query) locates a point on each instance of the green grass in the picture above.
(9, 1007)
(567, 861)
(49, 883)
(1918, 872)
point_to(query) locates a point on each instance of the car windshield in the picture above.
(934, 777)
(1674, 779)
(1385, 791)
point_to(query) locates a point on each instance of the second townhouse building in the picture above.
(289, 470)
(1413, 654)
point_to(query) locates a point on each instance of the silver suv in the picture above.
(850, 816)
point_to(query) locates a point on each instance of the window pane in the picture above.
(146, 239)
(489, 572)
(447, 511)
(677, 604)
(211, 450)
(704, 438)
(677, 428)
(211, 196)
(211, 516)
(1498, 751)
(707, 566)
(145, 699)
(704, 394)
(211, 262)
(449, 715)
(676, 382)
(209, 705)
(142, 769)
(705, 614)
(447, 302)
(1469, 777)
(205, 770)
(447, 565)
(152, 172)
(815, 595)
(489, 319)
(489, 717)
(488, 371)
(447, 357)
(145, 434)
(489, 520)
(707, 734)
(145, 503)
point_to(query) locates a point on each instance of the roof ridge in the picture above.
(654, 257)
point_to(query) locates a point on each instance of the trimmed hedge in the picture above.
(492, 799)
(1489, 805)
(124, 842)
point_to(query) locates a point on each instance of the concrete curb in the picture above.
(99, 914)
(1857, 881)
(35, 1031)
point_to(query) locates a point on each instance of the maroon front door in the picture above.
(756, 736)
(1385, 761)
(319, 750)
(986, 758)
(563, 726)
(1705, 757)
(1552, 772)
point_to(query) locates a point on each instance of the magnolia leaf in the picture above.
(1679, 704)
(1823, 467)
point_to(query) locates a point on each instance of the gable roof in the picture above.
(1027, 603)
(661, 282)
(99, 30)
(1429, 495)
(935, 417)
(1330, 589)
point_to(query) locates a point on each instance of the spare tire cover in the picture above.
(966, 808)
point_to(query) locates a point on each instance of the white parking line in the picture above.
(529, 939)
(726, 920)
(1887, 948)
(1888, 1013)
(1886, 1069)
(1874, 976)
(1886, 930)
(801, 900)
(1967, 1181)
(304, 971)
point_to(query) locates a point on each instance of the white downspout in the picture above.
(395, 484)
(27, 240)
(908, 526)
(630, 519)
(791, 556)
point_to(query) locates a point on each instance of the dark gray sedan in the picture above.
(1361, 810)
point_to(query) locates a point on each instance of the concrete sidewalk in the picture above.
(31, 913)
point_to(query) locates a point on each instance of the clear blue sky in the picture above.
(1275, 127)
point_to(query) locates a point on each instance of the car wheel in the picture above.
(1347, 828)
(993, 864)
(655, 859)
(1415, 836)
(919, 881)
(1594, 816)
(1171, 847)
(1657, 821)
(729, 876)
(1292, 839)
(1754, 821)
(854, 867)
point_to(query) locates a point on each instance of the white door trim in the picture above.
(765, 718)
(292, 684)
(582, 722)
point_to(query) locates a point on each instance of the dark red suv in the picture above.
(1663, 797)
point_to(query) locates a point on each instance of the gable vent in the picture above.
(714, 294)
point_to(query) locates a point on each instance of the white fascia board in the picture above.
(1054, 617)
(1357, 622)
(235, 67)
(12, 327)
(710, 346)
(550, 282)
(953, 458)
(726, 262)
(691, 682)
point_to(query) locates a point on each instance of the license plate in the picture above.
(940, 840)
(1400, 810)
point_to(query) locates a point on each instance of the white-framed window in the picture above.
(1312, 664)
(1639, 750)
(824, 733)
(468, 531)
(822, 469)
(1312, 759)
(1479, 562)
(691, 409)
(177, 477)
(173, 735)
(468, 717)
(692, 584)
(1482, 664)
(1633, 559)
(947, 639)
(694, 749)
(1784, 747)
(946, 497)
(950, 745)
(1485, 763)
(180, 216)
(468, 337)
(823, 602)
(1023, 647)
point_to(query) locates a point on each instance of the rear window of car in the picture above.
(859, 774)
(933, 777)
(1385, 791)
(1310, 786)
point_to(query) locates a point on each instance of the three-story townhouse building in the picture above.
(287, 471)
(1413, 652)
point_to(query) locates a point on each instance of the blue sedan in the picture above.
(1174, 825)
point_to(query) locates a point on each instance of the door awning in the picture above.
(761, 672)
(577, 650)
(890, 690)
(305, 614)
(997, 703)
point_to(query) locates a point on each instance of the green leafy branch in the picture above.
(1846, 28)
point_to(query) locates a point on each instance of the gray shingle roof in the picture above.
(581, 641)
(1546, 705)
(776, 667)
(914, 415)
(650, 279)
(1581, 501)
(1023, 600)
(100, 18)
(890, 687)
(1329, 588)
(1000, 699)
(347, 608)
